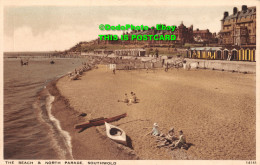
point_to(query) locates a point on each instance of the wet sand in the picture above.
(216, 111)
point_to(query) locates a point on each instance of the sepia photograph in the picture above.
(109, 82)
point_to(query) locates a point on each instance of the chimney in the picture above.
(234, 10)
(244, 8)
(225, 14)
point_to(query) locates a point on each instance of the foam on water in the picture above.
(66, 137)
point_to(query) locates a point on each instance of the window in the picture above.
(253, 40)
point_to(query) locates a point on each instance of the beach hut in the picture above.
(225, 54)
(247, 54)
(241, 54)
(218, 54)
(234, 55)
(253, 55)
(205, 53)
(197, 52)
(112, 66)
(130, 52)
(189, 53)
(213, 51)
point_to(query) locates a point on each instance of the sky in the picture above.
(49, 28)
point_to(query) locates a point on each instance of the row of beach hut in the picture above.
(130, 52)
(219, 53)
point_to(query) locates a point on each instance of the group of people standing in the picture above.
(169, 140)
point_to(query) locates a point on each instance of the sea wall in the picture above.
(143, 65)
(237, 66)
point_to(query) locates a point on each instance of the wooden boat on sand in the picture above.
(116, 133)
(98, 121)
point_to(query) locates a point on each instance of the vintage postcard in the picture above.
(123, 82)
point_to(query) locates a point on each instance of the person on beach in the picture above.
(157, 53)
(69, 74)
(155, 130)
(134, 99)
(114, 71)
(169, 139)
(181, 143)
(126, 99)
(167, 67)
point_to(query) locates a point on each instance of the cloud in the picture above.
(62, 38)
(62, 27)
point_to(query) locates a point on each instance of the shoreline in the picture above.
(63, 112)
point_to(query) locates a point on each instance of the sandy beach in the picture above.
(216, 111)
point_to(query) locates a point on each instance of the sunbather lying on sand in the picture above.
(132, 99)
(75, 77)
(126, 100)
(168, 140)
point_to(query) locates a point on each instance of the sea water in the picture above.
(30, 130)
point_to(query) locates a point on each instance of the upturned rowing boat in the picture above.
(98, 121)
(116, 133)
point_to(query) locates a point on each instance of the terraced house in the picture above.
(239, 29)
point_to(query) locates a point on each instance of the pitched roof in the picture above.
(240, 14)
